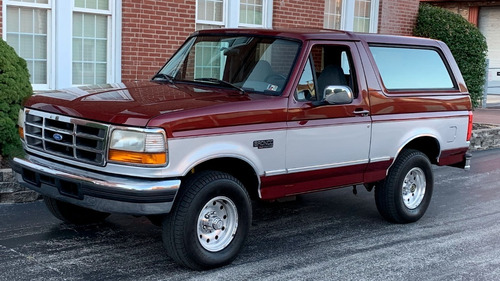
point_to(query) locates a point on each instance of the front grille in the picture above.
(71, 138)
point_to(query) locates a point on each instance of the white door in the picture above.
(489, 24)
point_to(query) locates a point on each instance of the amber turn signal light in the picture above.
(20, 130)
(137, 157)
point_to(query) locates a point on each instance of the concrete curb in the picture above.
(484, 137)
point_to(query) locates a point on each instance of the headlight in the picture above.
(147, 147)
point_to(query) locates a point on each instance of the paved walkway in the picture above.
(490, 114)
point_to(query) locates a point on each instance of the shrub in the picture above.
(14, 88)
(465, 41)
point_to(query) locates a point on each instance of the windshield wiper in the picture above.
(221, 82)
(163, 77)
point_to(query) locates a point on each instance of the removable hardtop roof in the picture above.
(306, 34)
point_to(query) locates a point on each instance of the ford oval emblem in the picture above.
(57, 137)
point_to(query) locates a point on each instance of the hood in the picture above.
(133, 103)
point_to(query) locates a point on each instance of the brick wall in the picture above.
(151, 32)
(397, 17)
(298, 13)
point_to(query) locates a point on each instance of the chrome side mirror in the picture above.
(338, 95)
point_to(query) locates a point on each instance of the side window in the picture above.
(305, 88)
(405, 68)
(328, 65)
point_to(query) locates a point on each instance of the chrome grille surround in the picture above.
(76, 139)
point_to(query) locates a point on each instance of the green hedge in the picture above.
(14, 88)
(465, 41)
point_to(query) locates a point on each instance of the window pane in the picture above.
(77, 24)
(40, 44)
(29, 63)
(88, 73)
(39, 75)
(101, 27)
(90, 48)
(405, 68)
(77, 49)
(26, 46)
(362, 9)
(92, 4)
(40, 19)
(101, 50)
(103, 5)
(210, 10)
(13, 41)
(89, 25)
(77, 73)
(27, 34)
(305, 89)
(13, 19)
(32, 1)
(251, 12)
(100, 70)
(26, 23)
(333, 14)
(80, 3)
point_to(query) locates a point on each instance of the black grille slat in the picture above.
(71, 138)
(33, 130)
(34, 119)
(55, 124)
(91, 131)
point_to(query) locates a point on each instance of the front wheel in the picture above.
(209, 222)
(405, 194)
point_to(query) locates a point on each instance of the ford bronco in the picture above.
(238, 115)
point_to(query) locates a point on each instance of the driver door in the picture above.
(328, 144)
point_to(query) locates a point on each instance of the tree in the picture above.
(465, 41)
(14, 88)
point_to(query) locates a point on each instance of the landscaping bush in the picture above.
(465, 41)
(14, 88)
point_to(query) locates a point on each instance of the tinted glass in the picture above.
(411, 68)
(255, 64)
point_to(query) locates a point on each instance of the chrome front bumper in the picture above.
(97, 191)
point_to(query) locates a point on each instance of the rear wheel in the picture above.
(71, 213)
(405, 194)
(209, 222)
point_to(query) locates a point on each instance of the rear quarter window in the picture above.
(407, 68)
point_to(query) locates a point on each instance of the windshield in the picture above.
(255, 64)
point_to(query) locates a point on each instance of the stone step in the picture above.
(19, 197)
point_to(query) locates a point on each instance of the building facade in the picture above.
(486, 16)
(76, 42)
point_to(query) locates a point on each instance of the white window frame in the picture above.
(60, 37)
(232, 7)
(210, 22)
(107, 13)
(50, 55)
(347, 18)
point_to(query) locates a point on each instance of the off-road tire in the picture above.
(394, 197)
(184, 228)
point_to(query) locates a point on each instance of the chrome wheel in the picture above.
(413, 190)
(217, 223)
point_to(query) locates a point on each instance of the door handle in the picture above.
(361, 112)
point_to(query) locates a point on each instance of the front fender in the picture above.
(187, 153)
